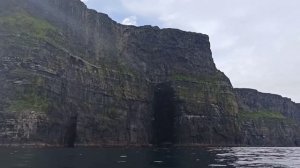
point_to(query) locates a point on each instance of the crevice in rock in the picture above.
(164, 115)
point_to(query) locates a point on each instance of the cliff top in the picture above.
(254, 91)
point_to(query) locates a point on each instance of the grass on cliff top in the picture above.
(31, 102)
(261, 115)
(23, 22)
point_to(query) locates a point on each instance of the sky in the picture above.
(256, 43)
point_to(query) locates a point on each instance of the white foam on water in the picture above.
(122, 161)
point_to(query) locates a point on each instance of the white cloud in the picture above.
(132, 20)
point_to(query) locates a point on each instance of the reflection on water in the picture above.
(258, 157)
(104, 158)
(148, 157)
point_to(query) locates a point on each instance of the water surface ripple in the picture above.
(238, 157)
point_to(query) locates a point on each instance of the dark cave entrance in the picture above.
(164, 115)
(71, 132)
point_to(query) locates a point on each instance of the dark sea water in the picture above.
(148, 157)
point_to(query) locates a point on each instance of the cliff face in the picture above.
(71, 76)
(267, 119)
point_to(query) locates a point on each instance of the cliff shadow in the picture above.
(164, 106)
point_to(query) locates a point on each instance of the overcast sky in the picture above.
(255, 42)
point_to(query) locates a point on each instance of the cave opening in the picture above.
(164, 115)
(71, 132)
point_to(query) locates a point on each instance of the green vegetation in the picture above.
(261, 115)
(114, 114)
(22, 22)
(126, 70)
(211, 88)
(184, 78)
(29, 102)
(38, 81)
(199, 79)
(20, 73)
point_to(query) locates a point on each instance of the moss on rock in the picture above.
(30, 102)
(261, 115)
(22, 22)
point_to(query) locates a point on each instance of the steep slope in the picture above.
(72, 76)
(267, 119)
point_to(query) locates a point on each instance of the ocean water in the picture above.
(149, 157)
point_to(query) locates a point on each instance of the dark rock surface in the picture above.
(72, 76)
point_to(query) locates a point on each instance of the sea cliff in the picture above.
(73, 76)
